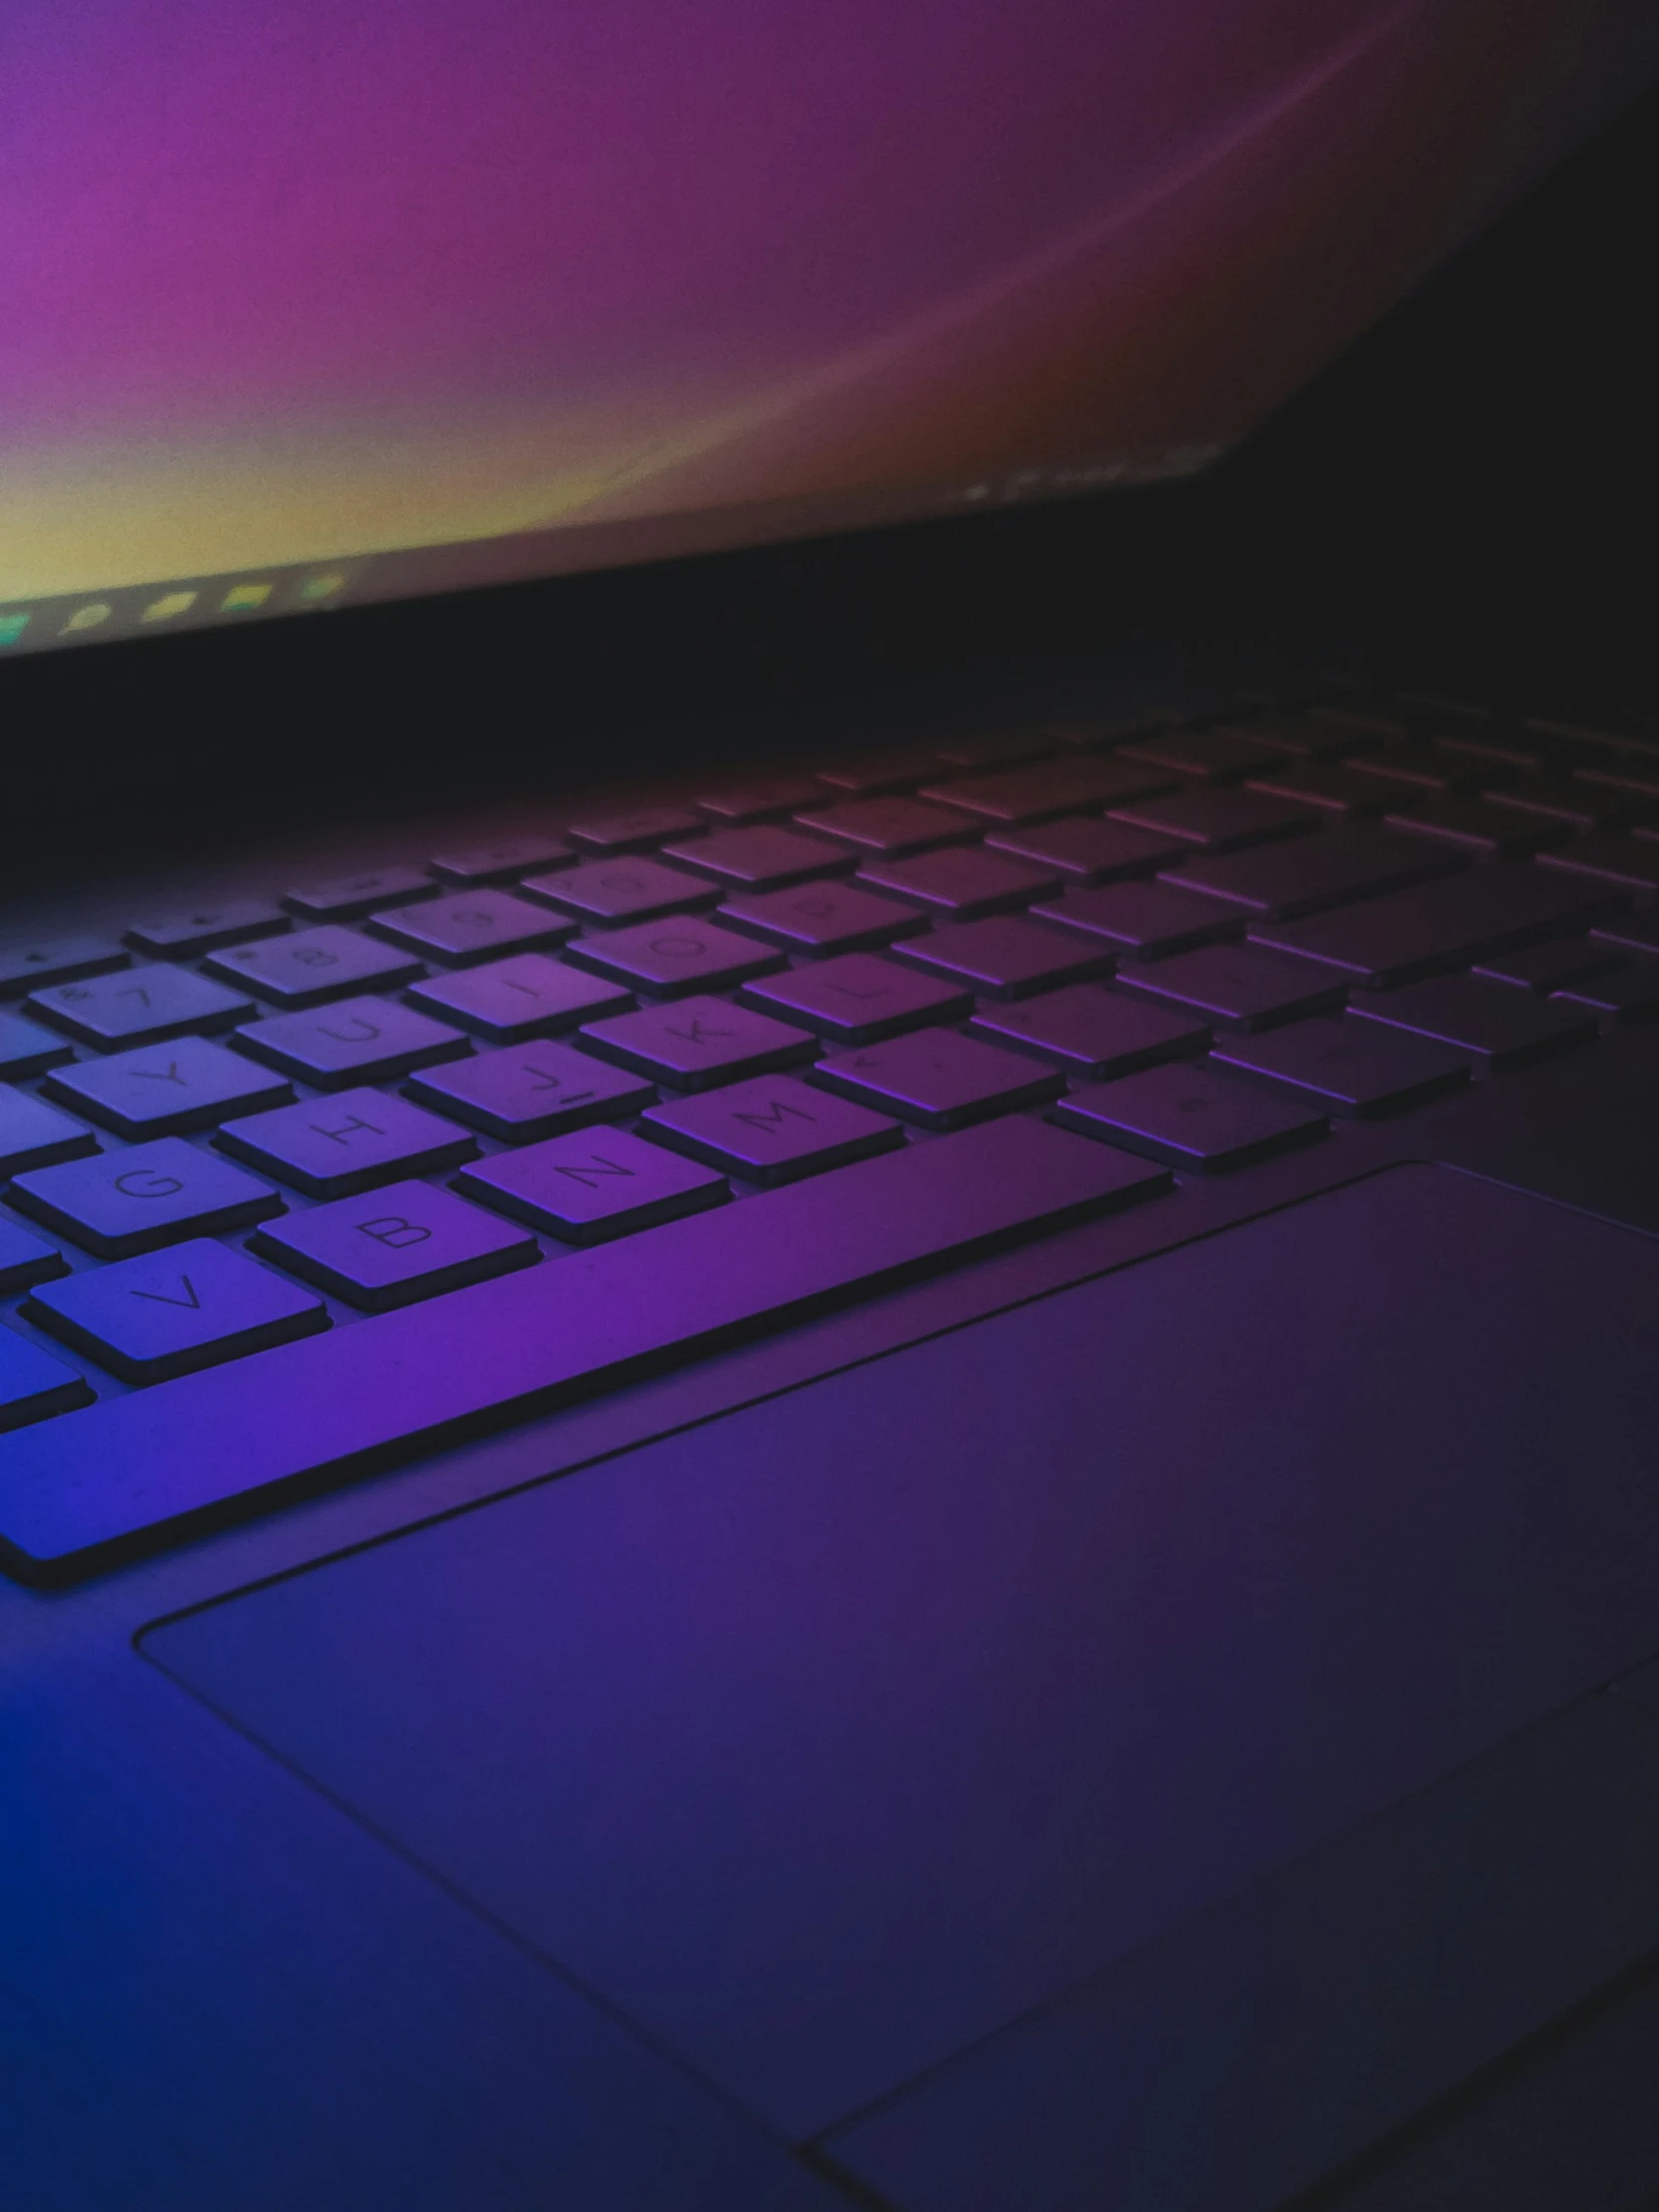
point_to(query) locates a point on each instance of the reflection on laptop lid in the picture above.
(301, 312)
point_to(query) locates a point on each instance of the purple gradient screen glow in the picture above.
(287, 282)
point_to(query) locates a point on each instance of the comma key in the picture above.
(404, 1243)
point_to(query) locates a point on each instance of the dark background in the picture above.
(1466, 500)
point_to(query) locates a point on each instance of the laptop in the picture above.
(776, 1444)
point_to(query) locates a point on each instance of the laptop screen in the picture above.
(307, 305)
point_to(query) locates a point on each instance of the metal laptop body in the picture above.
(899, 1454)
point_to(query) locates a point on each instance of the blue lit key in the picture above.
(25, 1259)
(28, 1050)
(530, 1091)
(406, 1241)
(140, 1005)
(313, 966)
(34, 1134)
(357, 1039)
(33, 1385)
(161, 1090)
(208, 929)
(529, 995)
(335, 1147)
(150, 1195)
(593, 1185)
(169, 1313)
(60, 961)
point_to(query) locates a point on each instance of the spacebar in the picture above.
(79, 1490)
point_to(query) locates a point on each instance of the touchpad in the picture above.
(824, 1739)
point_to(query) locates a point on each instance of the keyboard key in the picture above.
(1632, 864)
(34, 1134)
(668, 959)
(335, 1147)
(696, 1043)
(206, 928)
(995, 748)
(961, 880)
(1192, 1117)
(603, 893)
(1219, 818)
(636, 831)
(25, 1259)
(503, 862)
(1550, 967)
(28, 1050)
(591, 1187)
(140, 1006)
(1075, 784)
(1503, 1028)
(1006, 956)
(1306, 875)
(1088, 849)
(1479, 826)
(1235, 984)
(313, 966)
(1306, 737)
(1330, 786)
(360, 1041)
(822, 918)
(859, 998)
(1095, 1032)
(759, 857)
(405, 1241)
(1427, 767)
(170, 1313)
(1639, 932)
(161, 1090)
(34, 1386)
(1219, 756)
(1576, 804)
(939, 1079)
(529, 1091)
(1356, 1068)
(349, 897)
(1438, 925)
(762, 802)
(64, 961)
(1629, 992)
(886, 769)
(1148, 918)
(528, 995)
(471, 927)
(154, 1193)
(78, 1494)
(773, 1130)
(1623, 772)
(895, 825)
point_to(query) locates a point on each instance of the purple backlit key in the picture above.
(1306, 875)
(28, 1050)
(533, 1090)
(1089, 850)
(161, 1090)
(1573, 804)
(335, 1147)
(1628, 864)
(151, 1194)
(1006, 956)
(759, 857)
(1629, 992)
(1218, 819)
(207, 928)
(962, 881)
(1074, 783)
(1219, 756)
(859, 998)
(939, 1079)
(349, 897)
(313, 966)
(1635, 932)
(35, 1135)
(502, 862)
(34, 1386)
(1473, 823)
(1237, 984)
(1552, 966)
(605, 893)
(995, 748)
(1145, 918)
(471, 927)
(694, 1043)
(894, 825)
(170, 1313)
(773, 1130)
(636, 831)
(1495, 1024)
(1355, 1068)
(1425, 766)
(883, 769)
(1095, 1032)
(140, 1006)
(65, 960)
(1330, 786)
(25, 1259)
(592, 1186)
(405, 1241)
(360, 1039)
(1192, 1117)
(762, 802)
(669, 960)
(820, 918)
(528, 995)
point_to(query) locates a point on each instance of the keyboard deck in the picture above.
(297, 1184)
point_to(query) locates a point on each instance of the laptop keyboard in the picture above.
(292, 1185)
